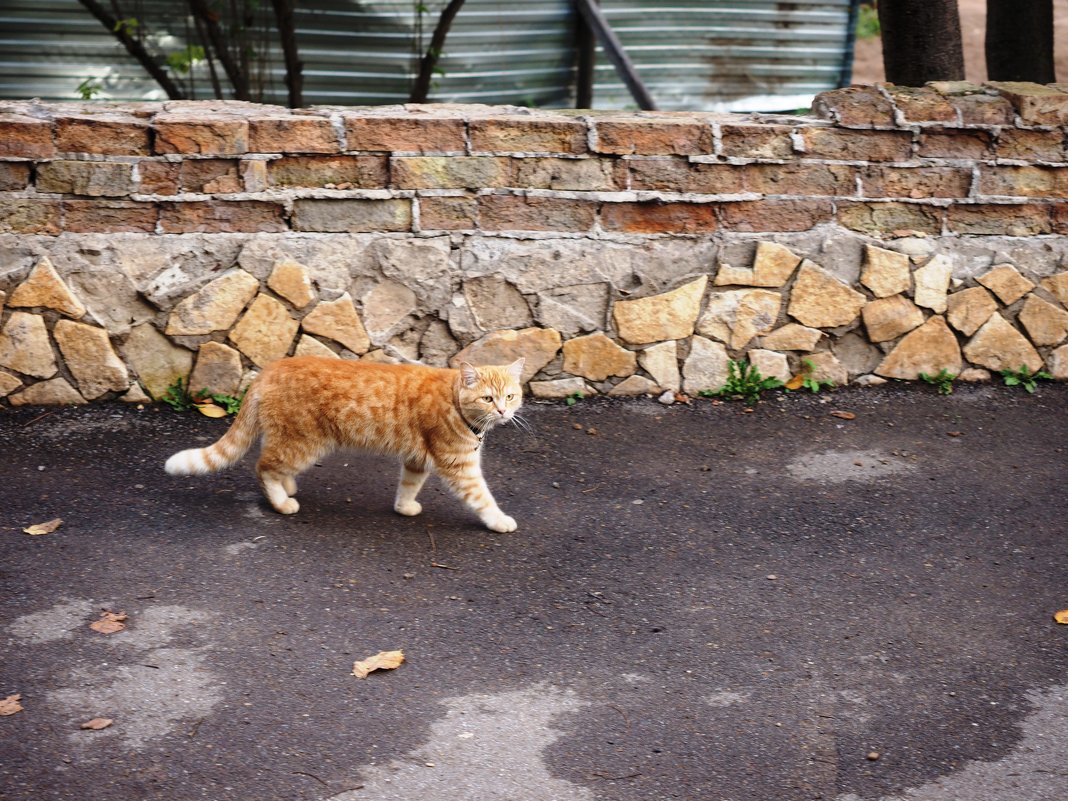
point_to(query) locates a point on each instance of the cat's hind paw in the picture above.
(289, 506)
(501, 523)
(408, 508)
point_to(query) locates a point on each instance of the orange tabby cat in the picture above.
(308, 406)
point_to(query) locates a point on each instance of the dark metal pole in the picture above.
(593, 16)
(586, 52)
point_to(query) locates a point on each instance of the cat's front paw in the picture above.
(501, 523)
(408, 508)
(289, 506)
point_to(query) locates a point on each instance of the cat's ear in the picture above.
(516, 368)
(468, 374)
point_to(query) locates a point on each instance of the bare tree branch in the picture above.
(421, 89)
(287, 34)
(217, 40)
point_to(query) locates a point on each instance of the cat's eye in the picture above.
(487, 398)
(510, 396)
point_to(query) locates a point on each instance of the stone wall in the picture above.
(898, 231)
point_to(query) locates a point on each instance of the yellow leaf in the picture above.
(10, 705)
(43, 528)
(1062, 617)
(211, 410)
(796, 382)
(109, 623)
(843, 415)
(383, 660)
(96, 724)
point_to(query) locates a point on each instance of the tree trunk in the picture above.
(287, 34)
(429, 61)
(1019, 40)
(921, 41)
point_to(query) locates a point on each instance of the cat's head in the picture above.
(490, 396)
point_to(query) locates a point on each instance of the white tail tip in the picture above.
(187, 462)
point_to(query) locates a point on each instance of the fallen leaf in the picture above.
(383, 660)
(10, 705)
(954, 433)
(796, 382)
(211, 410)
(43, 528)
(843, 415)
(109, 623)
(1062, 617)
(96, 724)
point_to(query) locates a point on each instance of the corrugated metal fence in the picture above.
(691, 54)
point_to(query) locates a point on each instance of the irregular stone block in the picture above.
(157, 362)
(736, 317)
(437, 344)
(856, 354)
(968, 309)
(43, 288)
(561, 388)
(8, 384)
(792, 337)
(824, 366)
(338, 320)
(538, 346)
(1058, 363)
(597, 357)
(661, 361)
(886, 272)
(770, 364)
(90, 358)
(998, 346)
(821, 300)
(932, 284)
(215, 306)
(773, 265)
(496, 303)
(265, 332)
(386, 308)
(633, 387)
(218, 368)
(706, 366)
(310, 346)
(669, 315)
(1057, 285)
(290, 280)
(574, 309)
(1005, 281)
(889, 318)
(1045, 323)
(56, 392)
(25, 348)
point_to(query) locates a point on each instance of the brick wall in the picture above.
(486, 229)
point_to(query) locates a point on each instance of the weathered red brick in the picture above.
(872, 218)
(996, 219)
(292, 134)
(855, 107)
(104, 134)
(581, 174)
(210, 176)
(1059, 218)
(27, 215)
(835, 143)
(519, 213)
(879, 180)
(344, 172)
(448, 213)
(92, 178)
(756, 141)
(526, 134)
(404, 133)
(210, 216)
(205, 134)
(955, 144)
(352, 216)
(159, 177)
(661, 136)
(983, 109)
(775, 215)
(659, 217)
(1024, 181)
(25, 137)
(680, 175)
(921, 104)
(450, 172)
(1026, 145)
(801, 179)
(14, 175)
(1036, 104)
(109, 216)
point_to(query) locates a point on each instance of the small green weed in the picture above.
(573, 398)
(745, 381)
(868, 21)
(1024, 378)
(806, 379)
(944, 381)
(179, 398)
(88, 89)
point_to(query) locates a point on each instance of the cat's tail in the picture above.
(228, 449)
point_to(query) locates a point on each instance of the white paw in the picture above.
(287, 507)
(408, 508)
(501, 523)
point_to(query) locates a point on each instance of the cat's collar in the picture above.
(479, 434)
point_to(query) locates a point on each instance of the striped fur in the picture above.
(307, 407)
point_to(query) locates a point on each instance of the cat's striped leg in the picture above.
(464, 478)
(413, 476)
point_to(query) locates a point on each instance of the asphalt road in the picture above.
(700, 603)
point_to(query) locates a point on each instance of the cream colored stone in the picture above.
(24, 346)
(218, 369)
(889, 318)
(310, 346)
(669, 315)
(338, 320)
(773, 265)
(974, 375)
(1045, 323)
(90, 358)
(998, 346)
(932, 284)
(929, 349)
(1057, 285)
(379, 356)
(290, 280)
(718, 317)
(496, 303)
(869, 381)
(968, 309)
(886, 272)
(770, 364)
(661, 361)
(633, 387)
(792, 337)
(561, 388)
(213, 307)
(8, 384)
(157, 361)
(706, 366)
(538, 346)
(821, 300)
(824, 366)
(136, 395)
(597, 357)
(1058, 363)
(1005, 281)
(738, 316)
(43, 288)
(386, 307)
(265, 332)
(56, 392)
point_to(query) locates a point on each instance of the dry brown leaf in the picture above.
(843, 415)
(43, 528)
(954, 433)
(796, 382)
(10, 705)
(96, 724)
(383, 660)
(109, 623)
(211, 410)
(1062, 617)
